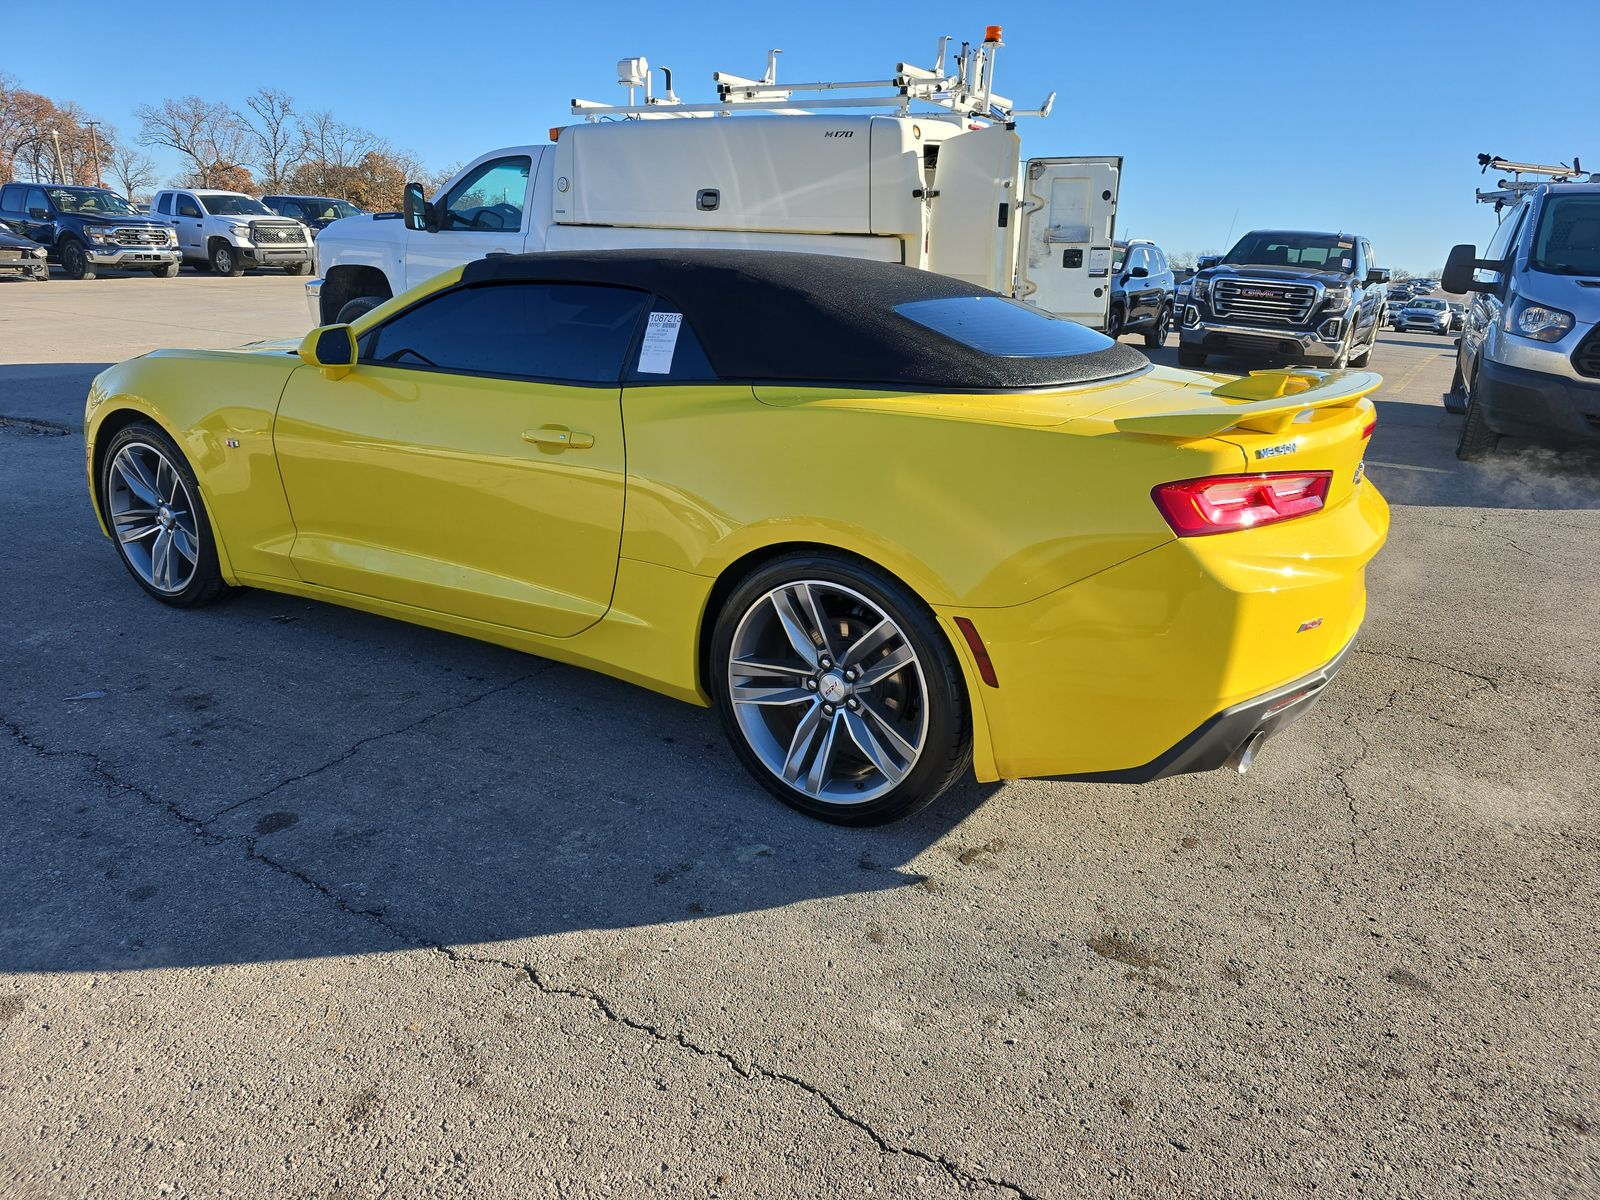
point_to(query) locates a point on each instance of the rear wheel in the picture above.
(1156, 336)
(153, 508)
(839, 692)
(75, 260)
(1191, 356)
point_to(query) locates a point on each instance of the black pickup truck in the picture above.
(89, 229)
(1312, 298)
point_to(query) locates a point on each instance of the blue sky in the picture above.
(1363, 116)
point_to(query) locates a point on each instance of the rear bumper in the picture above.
(1536, 405)
(1169, 661)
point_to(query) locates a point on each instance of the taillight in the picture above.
(1223, 503)
(1366, 430)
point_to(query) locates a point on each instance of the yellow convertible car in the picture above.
(889, 524)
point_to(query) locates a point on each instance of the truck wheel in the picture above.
(1191, 356)
(1157, 335)
(225, 260)
(360, 306)
(170, 271)
(1360, 360)
(1477, 439)
(75, 260)
(1114, 322)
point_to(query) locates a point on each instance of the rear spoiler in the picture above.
(1262, 401)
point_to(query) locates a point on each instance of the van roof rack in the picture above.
(964, 92)
(1512, 190)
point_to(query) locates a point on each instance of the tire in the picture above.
(1455, 400)
(142, 464)
(1114, 322)
(1156, 336)
(170, 271)
(1360, 360)
(360, 306)
(1477, 439)
(75, 260)
(298, 268)
(1191, 356)
(225, 260)
(885, 747)
(1341, 360)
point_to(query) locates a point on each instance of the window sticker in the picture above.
(660, 340)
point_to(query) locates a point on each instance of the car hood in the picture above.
(130, 219)
(1286, 274)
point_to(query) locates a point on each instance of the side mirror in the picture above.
(1458, 268)
(330, 348)
(39, 214)
(1378, 275)
(1209, 260)
(1140, 273)
(415, 207)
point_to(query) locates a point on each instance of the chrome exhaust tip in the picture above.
(1245, 756)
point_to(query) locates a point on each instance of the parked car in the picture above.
(1425, 314)
(1528, 360)
(1458, 315)
(1288, 294)
(1143, 292)
(228, 232)
(88, 229)
(22, 255)
(1102, 595)
(315, 212)
(1423, 287)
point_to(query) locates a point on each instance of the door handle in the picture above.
(558, 437)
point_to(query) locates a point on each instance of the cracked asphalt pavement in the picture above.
(300, 901)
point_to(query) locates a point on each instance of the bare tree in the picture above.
(208, 133)
(134, 171)
(278, 145)
(331, 152)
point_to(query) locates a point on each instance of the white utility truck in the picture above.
(938, 183)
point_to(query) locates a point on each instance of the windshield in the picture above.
(1568, 241)
(331, 210)
(1430, 305)
(1320, 251)
(89, 201)
(235, 206)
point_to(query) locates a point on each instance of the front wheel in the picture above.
(1477, 439)
(75, 261)
(170, 271)
(152, 507)
(361, 305)
(838, 690)
(1114, 322)
(225, 260)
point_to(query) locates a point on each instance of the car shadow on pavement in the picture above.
(191, 788)
(47, 393)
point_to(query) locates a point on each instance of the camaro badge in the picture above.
(1310, 625)
(1277, 451)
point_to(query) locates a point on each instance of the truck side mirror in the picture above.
(1140, 273)
(331, 349)
(1210, 260)
(1458, 269)
(39, 214)
(415, 207)
(1378, 275)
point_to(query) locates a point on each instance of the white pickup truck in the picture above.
(943, 191)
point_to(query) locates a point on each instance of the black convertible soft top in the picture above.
(820, 319)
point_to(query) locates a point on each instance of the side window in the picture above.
(669, 351)
(489, 200)
(37, 199)
(188, 207)
(1158, 261)
(1504, 239)
(11, 198)
(569, 332)
(164, 205)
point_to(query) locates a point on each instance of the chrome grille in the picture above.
(1264, 300)
(140, 235)
(1586, 358)
(279, 234)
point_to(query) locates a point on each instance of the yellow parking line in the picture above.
(1405, 380)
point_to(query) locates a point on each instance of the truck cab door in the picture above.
(971, 232)
(1069, 208)
(486, 211)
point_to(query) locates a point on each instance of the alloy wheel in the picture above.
(153, 517)
(828, 692)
